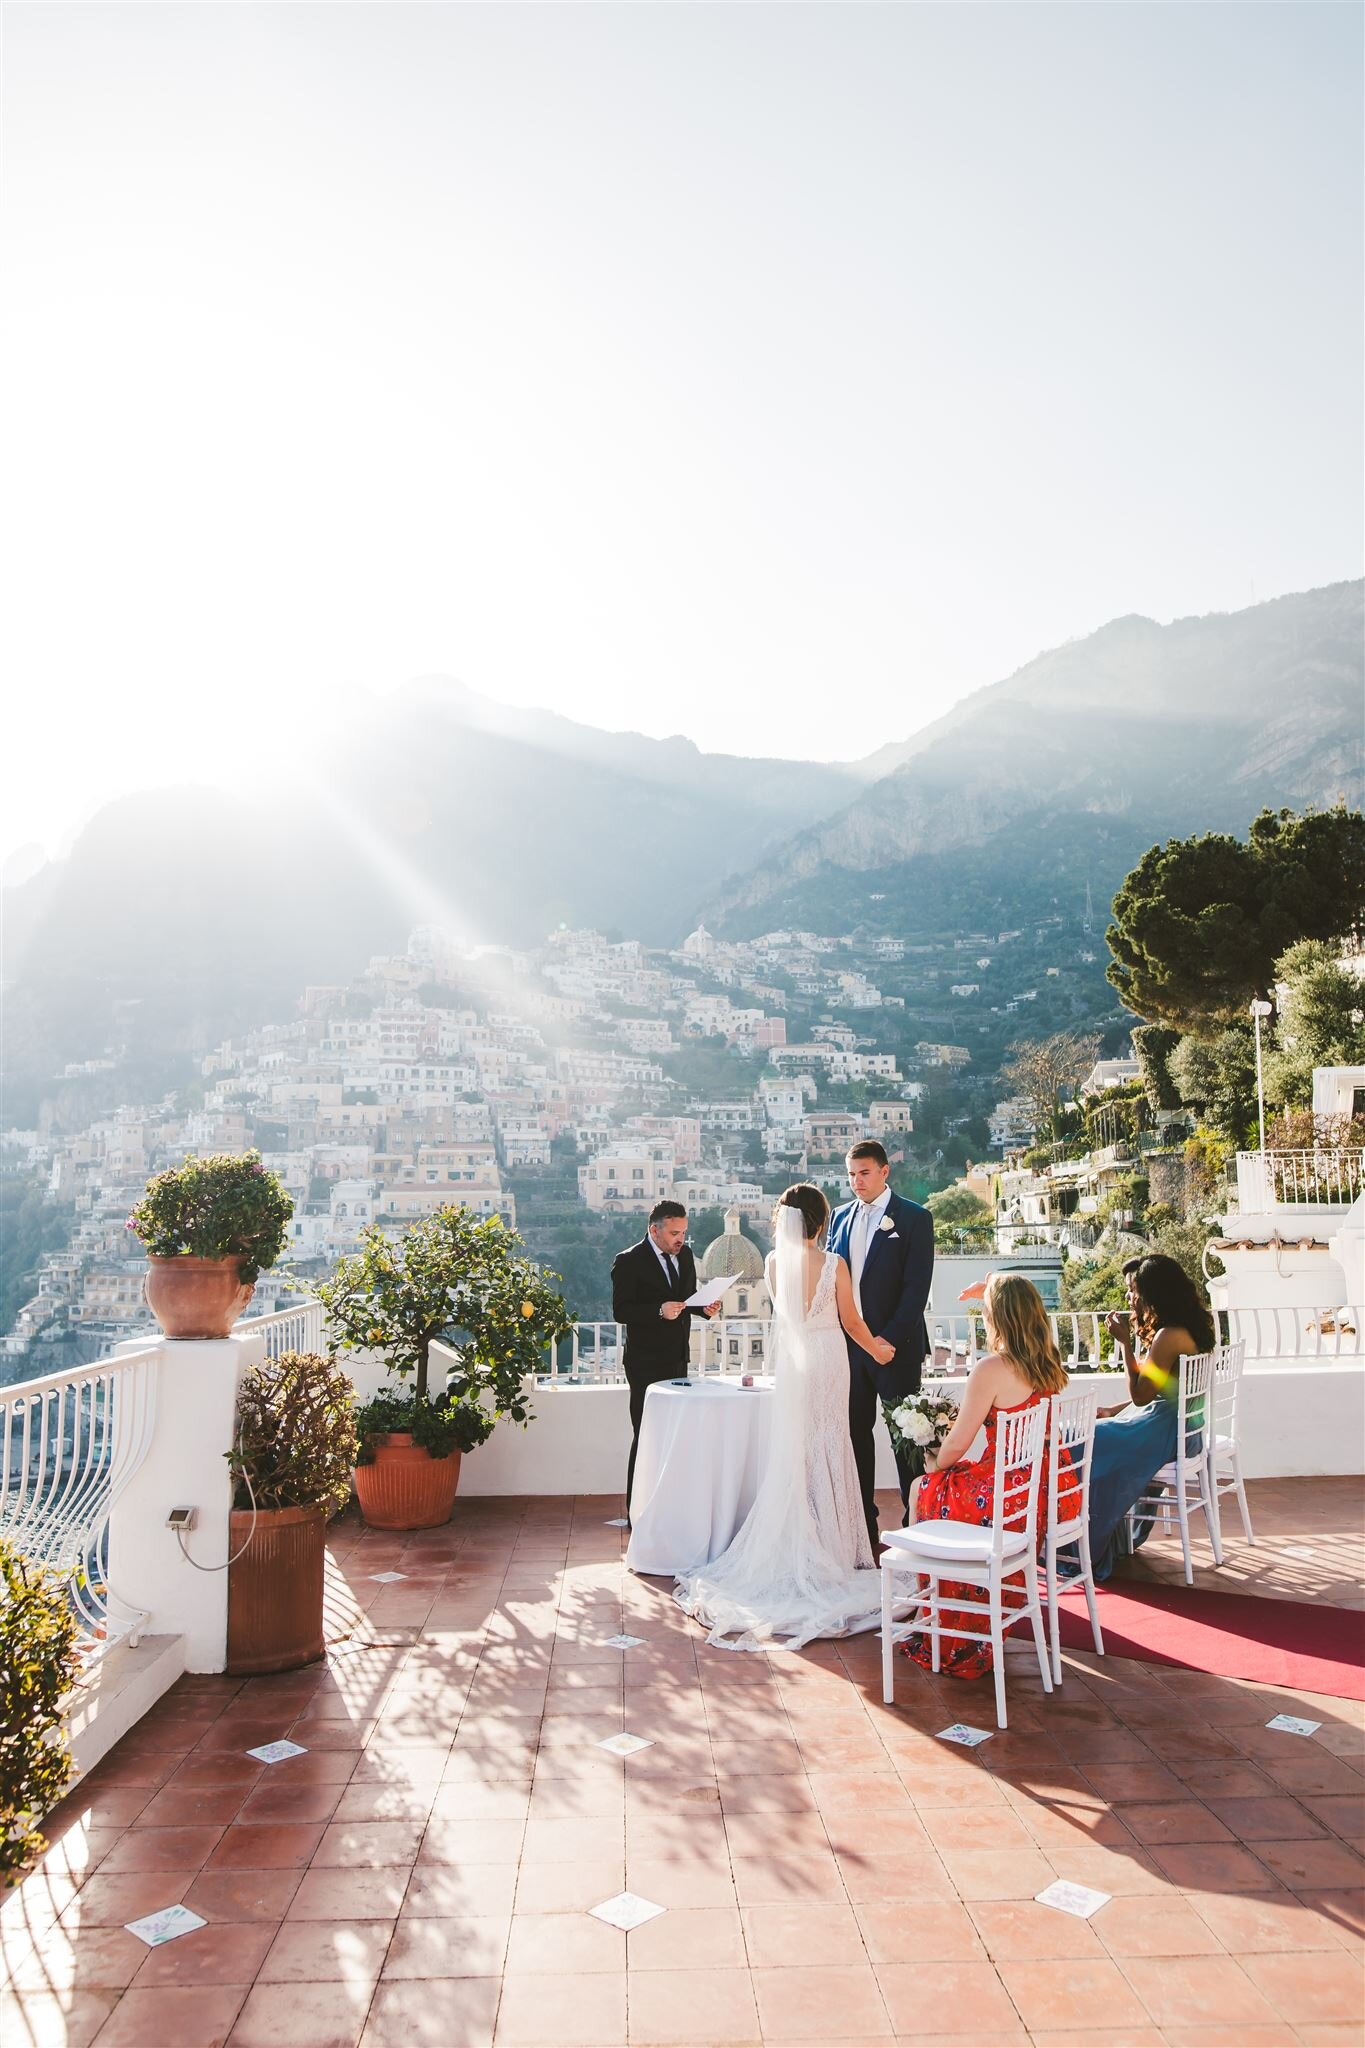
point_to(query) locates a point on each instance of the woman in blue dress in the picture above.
(1165, 1321)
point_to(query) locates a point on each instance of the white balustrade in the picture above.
(959, 1340)
(593, 1354)
(1325, 1176)
(286, 1329)
(1290, 1330)
(69, 1446)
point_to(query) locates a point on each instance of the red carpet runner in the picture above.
(1231, 1635)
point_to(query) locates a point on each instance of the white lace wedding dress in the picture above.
(801, 1565)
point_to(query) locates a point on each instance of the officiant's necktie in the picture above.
(672, 1269)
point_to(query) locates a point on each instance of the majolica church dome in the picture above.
(736, 1341)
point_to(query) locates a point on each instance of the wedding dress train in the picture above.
(801, 1565)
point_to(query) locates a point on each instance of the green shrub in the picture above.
(1153, 1045)
(1184, 1242)
(960, 1217)
(229, 1206)
(439, 1427)
(1207, 1157)
(1093, 1287)
(1038, 1157)
(38, 1667)
(296, 1435)
(1125, 1196)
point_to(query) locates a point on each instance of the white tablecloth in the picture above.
(701, 1455)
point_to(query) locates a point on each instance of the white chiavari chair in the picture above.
(985, 1559)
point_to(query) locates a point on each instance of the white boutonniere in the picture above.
(887, 1224)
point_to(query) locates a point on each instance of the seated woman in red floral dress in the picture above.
(1023, 1367)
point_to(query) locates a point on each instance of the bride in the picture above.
(802, 1564)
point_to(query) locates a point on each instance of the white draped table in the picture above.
(701, 1456)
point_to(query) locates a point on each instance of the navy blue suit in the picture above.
(894, 1294)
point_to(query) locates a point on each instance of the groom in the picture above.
(888, 1244)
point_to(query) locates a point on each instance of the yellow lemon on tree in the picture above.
(528, 1308)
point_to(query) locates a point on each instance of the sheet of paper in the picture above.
(622, 1642)
(277, 1752)
(1065, 1897)
(625, 1745)
(968, 1737)
(167, 1925)
(712, 1290)
(1293, 1724)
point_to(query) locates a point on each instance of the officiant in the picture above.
(650, 1284)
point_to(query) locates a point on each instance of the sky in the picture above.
(770, 374)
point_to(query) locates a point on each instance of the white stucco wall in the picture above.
(182, 1585)
(578, 1443)
(1302, 1420)
(1299, 1418)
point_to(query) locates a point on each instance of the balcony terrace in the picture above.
(829, 1870)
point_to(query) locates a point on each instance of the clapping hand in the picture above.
(1116, 1323)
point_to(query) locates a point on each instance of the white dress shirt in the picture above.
(663, 1257)
(866, 1220)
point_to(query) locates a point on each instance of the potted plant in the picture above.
(38, 1667)
(296, 1446)
(466, 1282)
(209, 1226)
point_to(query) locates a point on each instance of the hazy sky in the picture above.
(773, 374)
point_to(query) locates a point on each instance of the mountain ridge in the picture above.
(1266, 695)
(183, 915)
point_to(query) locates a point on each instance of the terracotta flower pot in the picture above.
(275, 1589)
(405, 1487)
(195, 1297)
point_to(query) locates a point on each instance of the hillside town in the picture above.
(565, 1090)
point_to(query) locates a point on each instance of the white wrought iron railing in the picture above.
(593, 1354)
(69, 1444)
(959, 1340)
(1290, 1331)
(286, 1329)
(1326, 1175)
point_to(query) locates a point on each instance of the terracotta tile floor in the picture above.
(830, 1871)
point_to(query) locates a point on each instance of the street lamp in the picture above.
(1260, 1008)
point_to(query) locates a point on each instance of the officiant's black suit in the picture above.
(656, 1347)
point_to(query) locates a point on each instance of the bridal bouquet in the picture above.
(920, 1424)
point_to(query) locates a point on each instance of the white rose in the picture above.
(919, 1428)
(886, 1224)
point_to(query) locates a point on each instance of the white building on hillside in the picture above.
(737, 1340)
(627, 1177)
(1106, 1074)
